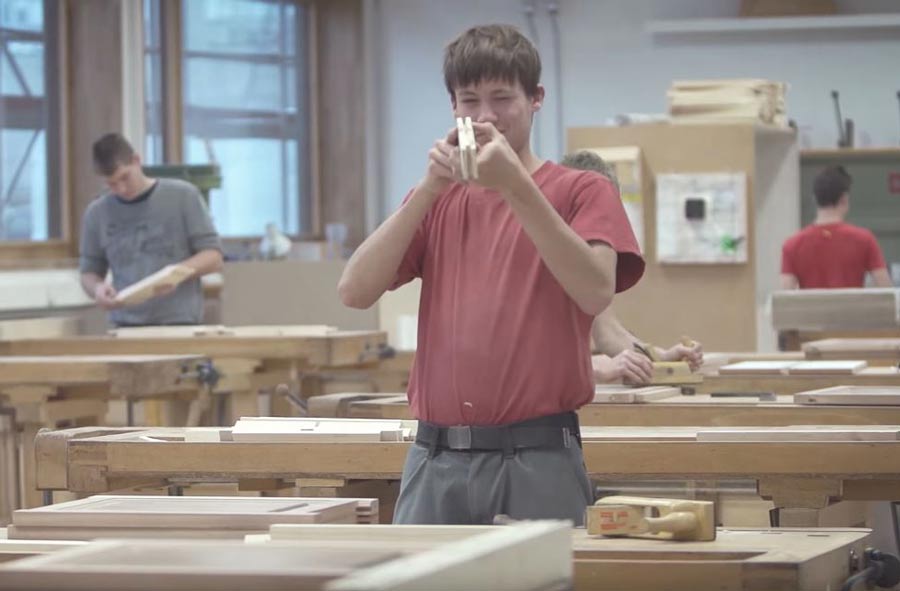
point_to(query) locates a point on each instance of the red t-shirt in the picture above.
(831, 255)
(499, 340)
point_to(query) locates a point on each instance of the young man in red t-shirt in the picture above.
(831, 253)
(514, 267)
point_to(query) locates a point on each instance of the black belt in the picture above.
(549, 432)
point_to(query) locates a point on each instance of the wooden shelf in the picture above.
(764, 25)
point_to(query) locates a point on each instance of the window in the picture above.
(153, 88)
(244, 73)
(29, 196)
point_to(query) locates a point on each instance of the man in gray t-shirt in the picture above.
(138, 228)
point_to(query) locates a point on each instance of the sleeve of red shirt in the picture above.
(599, 216)
(875, 258)
(787, 265)
(411, 265)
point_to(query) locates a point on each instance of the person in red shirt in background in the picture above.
(514, 266)
(831, 253)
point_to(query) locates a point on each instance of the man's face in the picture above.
(126, 181)
(503, 104)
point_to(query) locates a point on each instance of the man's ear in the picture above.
(453, 103)
(537, 101)
(136, 159)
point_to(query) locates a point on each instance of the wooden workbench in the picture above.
(792, 384)
(799, 475)
(885, 351)
(50, 391)
(701, 410)
(250, 358)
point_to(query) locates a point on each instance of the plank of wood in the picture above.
(757, 367)
(141, 291)
(851, 395)
(138, 511)
(827, 367)
(848, 348)
(801, 433)
(612, 394)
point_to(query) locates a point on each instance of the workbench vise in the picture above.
(664, 519)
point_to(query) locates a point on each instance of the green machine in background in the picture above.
(874, 196)
(203, 176)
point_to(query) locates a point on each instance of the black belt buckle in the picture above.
(459, 437)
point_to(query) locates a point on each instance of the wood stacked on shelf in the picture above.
(727, 101)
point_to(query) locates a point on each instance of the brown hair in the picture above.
(830, 185)
(111, 151)
(587, 160)
(492, 52)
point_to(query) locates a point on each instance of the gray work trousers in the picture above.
(471, 487)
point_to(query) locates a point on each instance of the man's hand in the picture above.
(692, 354)
(443, 164)
(105, 296)
(499, 167)
(629, 367)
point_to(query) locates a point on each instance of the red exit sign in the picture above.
(894, 182)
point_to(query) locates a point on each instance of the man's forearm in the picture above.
(610, 336)
(373, 266)
(580, 270)
(89, 282)
(204, 262)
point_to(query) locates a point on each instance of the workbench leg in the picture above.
(29, 494)
(794, 517)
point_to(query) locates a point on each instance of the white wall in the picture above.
(611, 65)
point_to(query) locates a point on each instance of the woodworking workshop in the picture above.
(449, 295)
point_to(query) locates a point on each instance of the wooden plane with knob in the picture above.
(664, 519)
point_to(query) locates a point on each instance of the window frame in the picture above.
(58, 246)
(174, 109)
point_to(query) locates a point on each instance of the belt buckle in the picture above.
(459, 437)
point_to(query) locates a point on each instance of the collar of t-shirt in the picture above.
(142, 197)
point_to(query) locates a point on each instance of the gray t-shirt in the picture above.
(135, 239)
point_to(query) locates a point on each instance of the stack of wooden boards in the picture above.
(722, 101)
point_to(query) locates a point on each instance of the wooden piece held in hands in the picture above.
(146, 288)
(467, 148)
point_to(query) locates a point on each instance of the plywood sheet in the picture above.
(218, 330)
(276, 429)
(146, 565)
(851, 396)
(187, 512)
